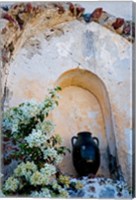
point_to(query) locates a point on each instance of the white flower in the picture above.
(48, 105)
(36, 138)
(25, 169)
(48, 170)
(56, 186)
(63, 193)
(45, 193)
(14, 128)
(38, 179)
(45, 126)
(11, 184)
(29, 108)
(58, 159)
(50, 153)
(43, 177)
(22, 113)
(7, 125)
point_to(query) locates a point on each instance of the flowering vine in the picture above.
(36, 149)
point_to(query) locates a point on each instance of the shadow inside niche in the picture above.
(91, 83)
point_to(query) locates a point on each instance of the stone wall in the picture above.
(92, 65)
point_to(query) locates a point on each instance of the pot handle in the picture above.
(72, 140)
(97, 141)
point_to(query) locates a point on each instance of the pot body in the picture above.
(85, 153)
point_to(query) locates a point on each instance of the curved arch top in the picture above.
(91, 82)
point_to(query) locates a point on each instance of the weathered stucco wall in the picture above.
(45, 56)
(79, 110)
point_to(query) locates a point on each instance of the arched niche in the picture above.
(92, 83)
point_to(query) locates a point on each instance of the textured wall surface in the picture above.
(76, 45)
(79, 111)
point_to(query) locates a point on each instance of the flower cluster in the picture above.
(12, 184)
(46, 127)
(29, 173)
(36, 139)
(30, 114)
(22, 114)
(78, 185)
(62, 190)
(52, 154)
(63, 193)
(48, 169)
(39, 149)
(42, 194)
(64, 180)
(25, 170)
(38, 179)
(45, 192)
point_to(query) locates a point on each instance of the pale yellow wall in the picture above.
(105, 60)
(79, 110)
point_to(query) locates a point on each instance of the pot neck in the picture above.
(85, 135)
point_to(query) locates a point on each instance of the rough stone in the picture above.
(107, 193)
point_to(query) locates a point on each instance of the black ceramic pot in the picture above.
(85, 153)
